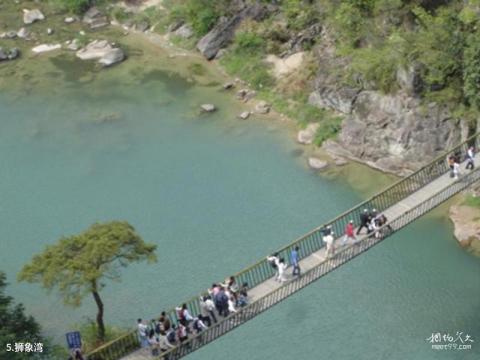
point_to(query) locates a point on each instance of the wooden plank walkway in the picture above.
(318, 257)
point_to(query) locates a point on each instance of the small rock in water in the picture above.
(244, 115)
(208, 107)
(69, 20)
(49, 31)
(30, 16)
(228, 85)
(317, 164)
(23, 33)
(262, 107)
(340, 161)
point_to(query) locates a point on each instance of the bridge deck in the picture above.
(316, 258)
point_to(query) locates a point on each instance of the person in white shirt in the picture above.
(470, 158)
(142, 332)
(163, 342)
(280, 267)
(456, 170)
(330, 245)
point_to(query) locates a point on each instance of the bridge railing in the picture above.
(244, 314)
(310, 242)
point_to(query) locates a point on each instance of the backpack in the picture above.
(273, 264)
(171, 337)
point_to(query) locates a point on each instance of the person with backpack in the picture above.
(221, 302)
(163, 342)
(172, 335)
(183, 315)
(198, 324)
(325, 231)
(243, 295)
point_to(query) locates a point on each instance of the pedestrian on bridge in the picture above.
(364, 219)
(456, 169)
(142, 333)
(329, 240)
(294, 261)
(349, 232)
(470, 158)
(280, 267)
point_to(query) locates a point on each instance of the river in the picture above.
(215, 193)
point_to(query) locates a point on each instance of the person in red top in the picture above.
(349, 232)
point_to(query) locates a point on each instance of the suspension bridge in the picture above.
(402, 203)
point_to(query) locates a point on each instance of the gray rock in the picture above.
(142, 26)
(244, 115)
(114, 56)
(338, 161)
(316, 163)
(74, 45)
(228, 85)
(30, 16)
(69, 20)
(102, 51)
(50, 31)
(11, 34)
(13, 54)
(184, 31)
(175, 25)
(335, 97)
(221, 35)
(91, 14)
(208, 107)
(3, 54)
(394, 133)
(99, 23)
(246, 94)
(220, 54)
(409, 79)
(95, 19)
(39, 49)
(307, 135)
(262, 107)
(23, 33)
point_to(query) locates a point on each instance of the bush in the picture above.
(74, 6)
(250, 42)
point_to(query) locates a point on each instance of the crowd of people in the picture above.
(160, 335)
(454, 162)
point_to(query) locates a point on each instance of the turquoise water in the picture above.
(215, 194)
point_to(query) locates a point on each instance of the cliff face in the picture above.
(396, 133)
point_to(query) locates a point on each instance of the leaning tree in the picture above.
(78, 265)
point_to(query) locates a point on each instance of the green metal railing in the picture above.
(309, 243)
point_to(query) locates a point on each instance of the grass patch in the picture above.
(472, 201)
(89, 334)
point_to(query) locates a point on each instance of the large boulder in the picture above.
(102, 51)
(30, 16)
(221, 35)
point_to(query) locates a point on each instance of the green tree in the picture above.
(78, 265)
(471, 71)
(17, 327)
